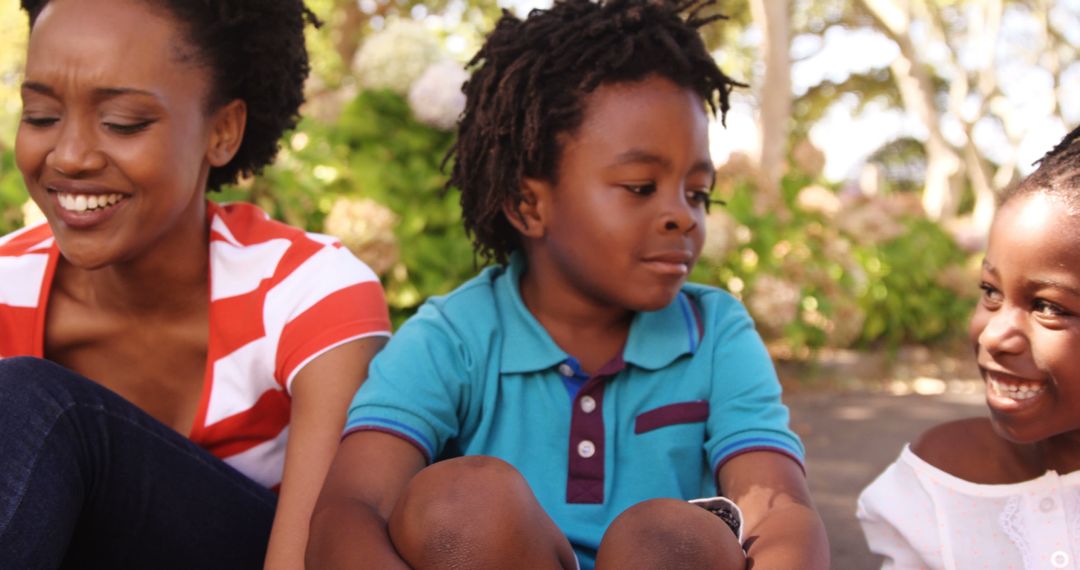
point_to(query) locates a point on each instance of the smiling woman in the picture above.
(167, 365)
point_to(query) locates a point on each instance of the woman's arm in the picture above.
(782, 529)
(321, 393)
(349, 526)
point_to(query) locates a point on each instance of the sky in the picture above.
(848, 138)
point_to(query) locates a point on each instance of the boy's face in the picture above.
(1026, 329)
(624, 223)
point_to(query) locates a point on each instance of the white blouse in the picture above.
(918, 516)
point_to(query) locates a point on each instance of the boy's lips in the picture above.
(675, 262)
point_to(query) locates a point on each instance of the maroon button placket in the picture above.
(585, 477)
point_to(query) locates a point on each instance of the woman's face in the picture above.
(116, 139)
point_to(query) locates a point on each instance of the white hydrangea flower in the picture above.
(773, 302)
(366, 228)
(436, 98)
(395, 57)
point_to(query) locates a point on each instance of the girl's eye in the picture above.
(128, 128)
(991, 296)
(40, 122)
(641, 189)
(1045, 308)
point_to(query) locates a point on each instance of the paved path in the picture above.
(850, 438)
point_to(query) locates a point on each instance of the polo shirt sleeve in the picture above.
(415, 385)
(746, 413)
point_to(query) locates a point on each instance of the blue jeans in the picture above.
(88, 480)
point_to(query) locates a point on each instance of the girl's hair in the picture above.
(1058, 173)
(255, 52)
(529, 87)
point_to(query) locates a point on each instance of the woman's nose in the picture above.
(76, 150)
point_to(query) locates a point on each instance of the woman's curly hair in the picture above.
(255, 51)
(529, 86)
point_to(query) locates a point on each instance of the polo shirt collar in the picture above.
(656, 338)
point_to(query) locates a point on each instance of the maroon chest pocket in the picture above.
(672, 414)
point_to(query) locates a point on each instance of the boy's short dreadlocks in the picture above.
(529, 87)
(1058, 173)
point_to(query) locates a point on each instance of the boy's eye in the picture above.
(643, 189)
(128, 128)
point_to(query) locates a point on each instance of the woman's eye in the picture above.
(642, 189)
(40, 122)
(128, 128)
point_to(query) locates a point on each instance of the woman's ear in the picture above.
(529, 217)
(226, 132)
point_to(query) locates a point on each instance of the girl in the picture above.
(590, 389)
(1004, 491)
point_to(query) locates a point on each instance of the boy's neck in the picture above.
(591, 332)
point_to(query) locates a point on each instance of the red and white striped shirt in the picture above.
(279, 297)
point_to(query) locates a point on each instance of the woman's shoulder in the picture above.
(970, 449)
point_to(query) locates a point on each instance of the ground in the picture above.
(855, 428)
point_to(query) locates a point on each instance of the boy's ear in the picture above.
(529, 217)
(226, 132)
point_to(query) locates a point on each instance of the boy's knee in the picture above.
(446, 492)
(462, 509)
(669, 533)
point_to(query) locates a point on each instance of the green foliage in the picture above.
(12, 193)
(378, 151)
(872, 274)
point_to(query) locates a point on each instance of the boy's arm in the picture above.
(781, 527)
(348, 527)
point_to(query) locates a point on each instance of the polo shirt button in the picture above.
(586, 449)
(1059, 559)
(566, 370)
(1046, 505)
(588, 404)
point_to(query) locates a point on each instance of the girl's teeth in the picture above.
(83, 202)
(1016, 391)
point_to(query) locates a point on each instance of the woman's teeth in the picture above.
(1016, 390)
(87, 202)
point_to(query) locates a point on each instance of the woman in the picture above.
(246, 336)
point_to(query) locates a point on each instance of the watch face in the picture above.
(726, 509)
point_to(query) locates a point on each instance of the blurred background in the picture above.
(860, 169)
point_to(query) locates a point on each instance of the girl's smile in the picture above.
(1026, 328)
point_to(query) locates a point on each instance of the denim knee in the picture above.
(28, 384)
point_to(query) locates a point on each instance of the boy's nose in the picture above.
(679, 216)
(75, 151)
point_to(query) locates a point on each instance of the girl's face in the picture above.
(624, 223)
(115, 136)
(1026, 329)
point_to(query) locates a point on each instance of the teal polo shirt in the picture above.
(474, 373)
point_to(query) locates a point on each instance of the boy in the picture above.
(589, 390)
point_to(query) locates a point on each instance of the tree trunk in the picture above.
(774, 120)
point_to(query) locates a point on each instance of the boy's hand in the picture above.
(782, 528)
(348, 527)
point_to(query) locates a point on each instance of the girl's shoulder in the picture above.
(971, 450)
